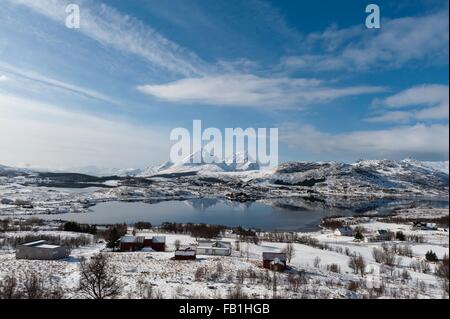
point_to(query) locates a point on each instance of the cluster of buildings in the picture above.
(42, 250)
(138, 243)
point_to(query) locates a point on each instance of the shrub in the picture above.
(400, 236)
(431, 256)
(442, 268)
(353, 286)
(334, 268)
(237, 293)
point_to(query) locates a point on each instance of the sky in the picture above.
(109, 93)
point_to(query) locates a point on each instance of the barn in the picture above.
(42, 250)
(214, 248)
(274, 261)
(186, 254)
(158, 243)
(136, 243)
(131, 243)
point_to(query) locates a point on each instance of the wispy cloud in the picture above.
(48, 81)
(252, 91)
(427, 142)
(424, 102)
(109, 27)
(399, 41)
(44, 135)
(3, 78)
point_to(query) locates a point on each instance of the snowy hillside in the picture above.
(383, 174)
(439, 166)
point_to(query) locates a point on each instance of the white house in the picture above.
(214, 248)
(344, 231)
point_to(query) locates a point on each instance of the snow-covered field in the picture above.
(156, 275)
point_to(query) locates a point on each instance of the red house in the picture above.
(131, 243)
(136, 243)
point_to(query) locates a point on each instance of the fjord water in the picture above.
(250, 215)
(254, 215)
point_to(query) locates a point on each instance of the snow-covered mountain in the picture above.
(380, 174)
(102, 172)
(439, 166)
(239, 162)
(7, 170)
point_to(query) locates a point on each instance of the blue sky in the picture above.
(109, 93)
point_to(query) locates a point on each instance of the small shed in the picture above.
(42, 250)
(214, 248)
(274, 261)
(188, 253)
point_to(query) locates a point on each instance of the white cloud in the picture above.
(419, 141)
(48, 81)
(396, 116)
(418, 96)
(399, 41)
(3, 78)
(122, 32)
(429, 102)
(251, 90)
(44, 135)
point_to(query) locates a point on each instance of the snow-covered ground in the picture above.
(155, 273)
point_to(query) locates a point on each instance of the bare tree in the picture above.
(97, 279)
(358, 264)
(8, 288)
(289, 250)
(31, 285)
(317, 262)
(274, 286)
(237, 293)
(34, 286)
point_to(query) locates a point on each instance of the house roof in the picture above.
(132, 239)
(345, 229)
(186, 252)
(159, 239)
(214, 244)
(46, 246)
(213, 248)
(274, 256)
(35, 243)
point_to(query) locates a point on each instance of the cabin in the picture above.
(41, 250)
(274, 261)
(137, 243)
(344, 231)
(214, 248)
(188, 253)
